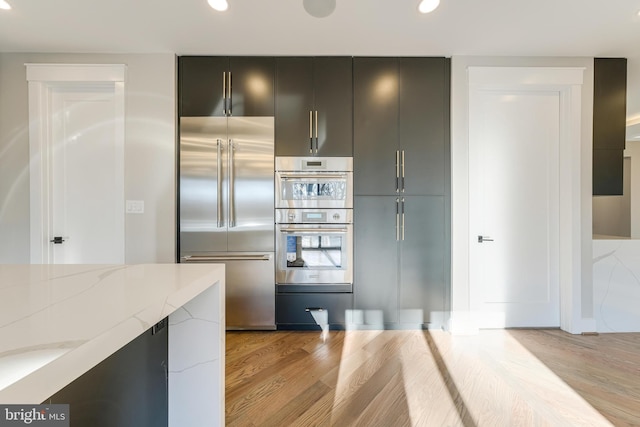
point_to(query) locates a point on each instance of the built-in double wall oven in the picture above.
(314, 224)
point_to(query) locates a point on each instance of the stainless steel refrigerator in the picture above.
(226, 194)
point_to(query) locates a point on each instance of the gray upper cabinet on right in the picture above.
(314, 104)
(399, 115)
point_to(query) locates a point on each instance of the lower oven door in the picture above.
(314, 257)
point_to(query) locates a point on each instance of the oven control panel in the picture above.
(314, 216)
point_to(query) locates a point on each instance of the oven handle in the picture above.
(314, 230)
(313, 176)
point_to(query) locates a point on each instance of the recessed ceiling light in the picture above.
(219, 5)
(427, 6)
(4, 5)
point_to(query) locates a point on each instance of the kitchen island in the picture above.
(57, 322)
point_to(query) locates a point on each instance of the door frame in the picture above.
(43, 79)
(569, 82)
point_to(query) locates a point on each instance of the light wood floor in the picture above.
(431, 378)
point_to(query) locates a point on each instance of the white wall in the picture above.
(462, 319)
(150, 160)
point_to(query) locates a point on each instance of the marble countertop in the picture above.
(58, 321)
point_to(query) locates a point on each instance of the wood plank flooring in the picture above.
(431, 378)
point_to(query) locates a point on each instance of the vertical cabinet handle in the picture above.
(310, 132)
(402, 215)
(397, 219)
(219, 195)
(229, 112)
(316, 120)
(232, 184)
(402, 186)
(397, 171)
(224, 93)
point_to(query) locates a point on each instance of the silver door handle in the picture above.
(397, 171)
(310, 132)
(402, 174)
(484, 239)
(316, 131)
(313, 176)
(219, 173)
(232, 184)
(224, 93)
(397, 219)
(314, 230)
(229, 112)
(402, 216)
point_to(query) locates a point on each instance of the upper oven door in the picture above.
(314, 190)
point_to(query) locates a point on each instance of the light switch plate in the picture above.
(135, 206)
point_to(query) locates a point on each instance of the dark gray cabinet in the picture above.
(400, 261)
(376, 263)
(292, 309)
(314, 106)
(401, 109)
(609, 124)
(226, 86)
(128, 389)
(402, 185)
(422, 255)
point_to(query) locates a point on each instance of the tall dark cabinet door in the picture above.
(422, 261)
(376, 260)
(401, 105)
(376, 86)
(333, 100)
(252, 86)
(423, 91)
(294, 101)
(201, 85)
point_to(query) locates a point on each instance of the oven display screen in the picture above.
(315, 216)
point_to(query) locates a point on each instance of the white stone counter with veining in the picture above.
(58, 321)
(616, 285)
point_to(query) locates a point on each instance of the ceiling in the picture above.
(357, 27)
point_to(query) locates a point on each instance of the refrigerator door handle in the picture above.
(232, 184)
(220, 258)
(219, 183)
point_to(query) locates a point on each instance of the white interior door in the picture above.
(76, 173)
(514, 140)
(86, 173)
